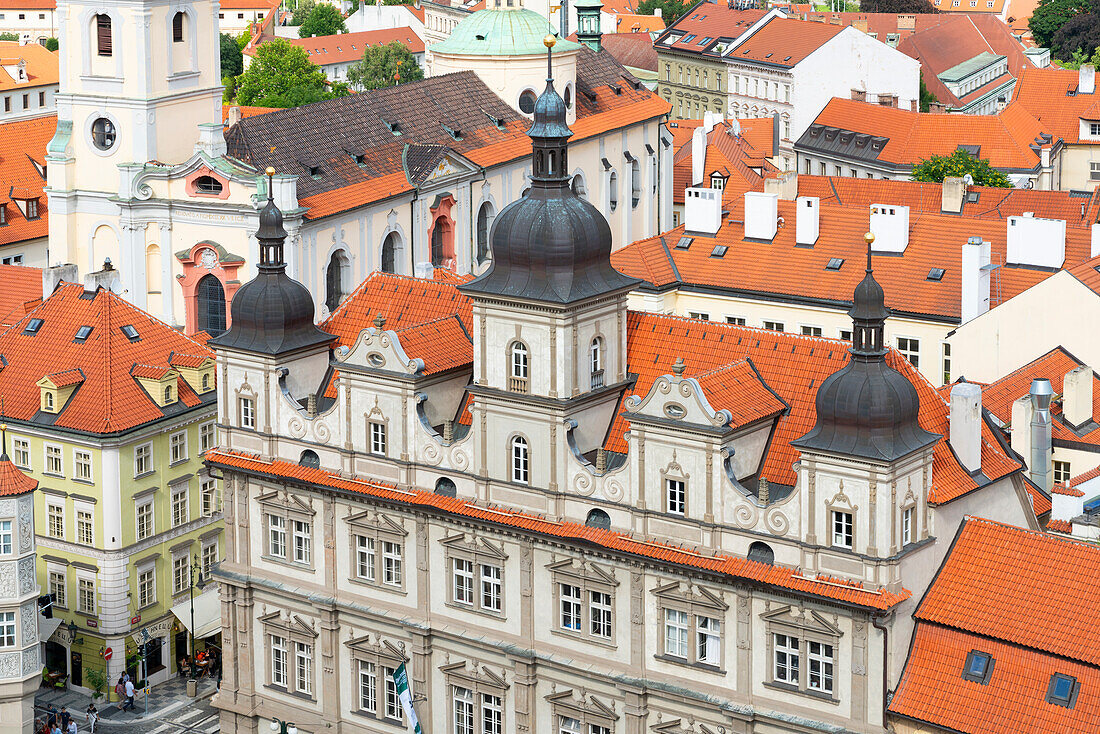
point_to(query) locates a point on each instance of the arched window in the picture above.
(104, 45)
(335, 279)
(445, 487)
(568, 96)
(613, 190)
(520, 466)
(635, 183)
(207, 184)
(438, 234)
(517, 378)
(49, 401)
(761, 553)
(579, 187)
(484, 214)
(177, 28)
(389, 247)
(206, 382)
(598, 519)
(527, 102)
(211, 306)
(310, 458)
(167, 393)
(595, 356)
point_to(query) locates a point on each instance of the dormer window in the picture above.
(48, 401)
(208, 185)
(717, 181)
(168, 394)
(32, 208)
(205, 381)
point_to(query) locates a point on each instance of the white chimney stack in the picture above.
(424, 270)
(710, 119)
(52, 276)
(1094, 250)
(966, 425)
(807, 220)
(107, 278)
(1035, 241)
(1086, 79)
(761, 215)
(703, 210)
(698, 155)
(1021, 427)
(1077, 396)
(952, 195)
(890, 226)
(974, 279)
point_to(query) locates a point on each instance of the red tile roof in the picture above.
(12, 481)
(66, 378)
(784, 41)
(22, 151)
(1060, 526)
(1040, 503)
(1044, 93)
(349, 47)
(1067, 491)
(21, 288)
(442, 344)
(732, 156)
(714, 21)
(634, 50)
(41, 66)
(1086, 476)
(109, 400)
(739, 388)
(634, 23)
(731, 566)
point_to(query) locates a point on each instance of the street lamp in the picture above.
(73, 629)
(283, 727)
(195, 569)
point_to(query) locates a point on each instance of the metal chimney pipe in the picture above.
(1041, 473)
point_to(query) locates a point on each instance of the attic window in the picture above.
(936, 274)
(1063, 690)
(130, 332)
(767, 55)
(361, 160)
(834, 263)
(33, 326)
(705, 40)
(689, 38)
(315, 172)
(3, 214)
(208, 185)
(456, 134)
(978, 667)
(718, 251)
(393, 127)
(83, 332)
(684, 243)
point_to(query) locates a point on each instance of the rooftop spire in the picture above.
(271, 234)
(869, 314)
(549, 134)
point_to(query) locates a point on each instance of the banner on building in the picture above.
(404, 693)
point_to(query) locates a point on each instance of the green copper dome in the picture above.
(501, 32)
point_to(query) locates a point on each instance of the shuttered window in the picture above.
(103, 34)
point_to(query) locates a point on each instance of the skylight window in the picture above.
(834, 263)
(130, 332)
(1063, 690)
(705, 40)
(684, 243)
(33, 326)
(936, 274)
(718, 251)
(83, 332)
(978, 667)
(690, 38)
(768, 55)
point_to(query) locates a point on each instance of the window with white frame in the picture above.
(303, 668)
(22, 453)
(302, 541)
(276, 536)
(58, 587)
(691, 625)
(209, 558)
(368, 686)
(803, 654)
(821, 667)
(378, 438)
(707, 640)
(676, 493)
(208, 497)
(585, 599)
(53, 461)
(1061, 472)
(811, 330)
(774, 326)
(278, 660)
(143, 459)
(147, 586)
(181, 573)
(7, 629)
(907, 526)
(5, 537)
(374, 663)
(292, 646)
(246, 411)
(392, 564)
(85, 534)
(570, 605)
(676, 633)
(85, 599)
(180, 513)
(177, 447)
(477, 701)
(1094, 170)
(393, 701)
(910, 349)
(463, 699)
(477, 574)
(595, 359)
(787, 660)
(377, 545)
(520, 463)
(462, 575)
(945, 356)
(843, 531)
(518, 367)
(207, 436)
(55, 520)
(82, 466)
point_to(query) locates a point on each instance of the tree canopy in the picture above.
(323, 20)
(938, 167)
(927, 97)
(282, 75)
(232, 60)
(896, 6)
(381, 64)
(301, 11)
(671, 10)
(1049, 23)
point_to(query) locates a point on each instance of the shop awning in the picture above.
(208, 614)
(46, 628)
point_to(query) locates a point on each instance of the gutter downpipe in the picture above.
(875, 619)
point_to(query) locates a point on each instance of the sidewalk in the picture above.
(164, 700)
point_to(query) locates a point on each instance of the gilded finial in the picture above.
(270, 171)
(869, 238)
(549, 40)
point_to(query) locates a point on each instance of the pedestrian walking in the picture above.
(71, 729)
(91, 716)
(64, 718)
(51, 717)
(130, 694)
(120, 688)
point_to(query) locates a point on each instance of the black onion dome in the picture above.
(549, 115)
(869, 301)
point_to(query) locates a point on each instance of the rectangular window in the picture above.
(568, 725)
(490, 587)
(7, 629)
(1061, 471)
(147, 588)
(364, 558)
(391, 563)
(276, 536)
(301, 541)
(22, 453)
(492, 714)
(5, 537)
(58, 588)
(177, 447)
(821, 667)
(845, 335)
(1094, 167)
(701, 315)
(393, 703)
(707, 648)
(736, 320)
(56, 519)
(774, 326)
(143, 459)
(144, 520)
(811, 330)
(53, 461)
(247, 407)
(677, 496)
(209, 559)
(676, 633)
(303, 668)
(181, 570)
(82, 466)
(41, 99)
(907, 526)
(378, 438)
(368, 687)
(206, 436)
(278, 661)
(463, 710)
(946, 352)
(179, 508)
(842, 529)
(786, 659)
(85, 596)
(570, 607)
(84, 534)
(910, 349)
(599, 614)
(208, 497)
(463, 581)
(103, 34)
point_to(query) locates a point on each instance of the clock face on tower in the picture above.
(103, 134)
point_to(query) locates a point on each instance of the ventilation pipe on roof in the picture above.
(1077, 396)
(807, 220)
(1041, 394)
(953, 195)
(1086, 79)
(966, 425)
(53, 276)
(974, 279)
(761, 215)
(1021, 427)
(698, 155)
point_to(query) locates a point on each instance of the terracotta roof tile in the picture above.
(1045, 94)
(20, 287)
(713, 21)
(632, 23)
(731, 566)
(13, 482)
(442, 344)
(738, 388)
(1060, 526)
(1067, 491)
(66, 378)
(23, 145)
(784, 41)
(41, 66)
(1086, 476)
(349, 47)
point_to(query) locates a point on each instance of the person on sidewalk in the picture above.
(51, 717)
(130, 694)
(120, 688)
(55, 729)
(91, 716)
(64, 718)
(71, 729)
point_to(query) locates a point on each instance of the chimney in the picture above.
(937, 108)
(53, 276)
(1077, 396)
(1094, 250)
(859, 95)
(1021, 427)
(1035, 241)
(954, 192)
(966, 425)
(785, 184)
(703, 210)
(657, 12)
(761, 214)
(1086, 79)
(107, 278)
(907, 23)
(860, 24)
(710, 119)
(1041, 393)
(975, 279)
(698, 155)
(1044, 157)
(807, 220)
(425, 271)
(234, 116)
(890, 226)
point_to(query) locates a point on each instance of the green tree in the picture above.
(671, 10)
(9, 36)
(97, 681)
(301, 11)
(232, 60)
(52, 44)
(281, 75)
(379, 66)
(1079, 33)
(926, 97)
(323, 20)
(938, 167)
(896, 6)
(1049, 16)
